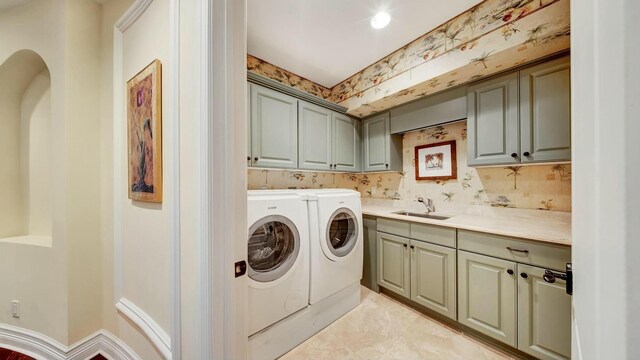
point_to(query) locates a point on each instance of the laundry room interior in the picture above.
(452, 125)
(319, 179)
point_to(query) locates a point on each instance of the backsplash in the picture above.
(542, 187)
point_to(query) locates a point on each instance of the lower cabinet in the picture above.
(487, 296)
(393, 263)
(433, 277)
(422, 272)
(544, 315)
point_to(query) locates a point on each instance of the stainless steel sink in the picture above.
(421, 215)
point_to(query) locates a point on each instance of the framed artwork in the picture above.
(144, 134)
(436, 161)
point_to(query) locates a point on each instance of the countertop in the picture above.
(548, 227)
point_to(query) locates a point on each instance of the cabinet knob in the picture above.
(405, 245)
(413, 247)
(524, 275)
(255, 158)
(509, 271)
(248, 158)
(514, 155)
(386, 165)
(526, 153)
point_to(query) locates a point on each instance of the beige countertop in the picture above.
(549, 227)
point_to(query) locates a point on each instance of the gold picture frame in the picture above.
(144, 134)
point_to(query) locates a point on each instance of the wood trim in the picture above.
(149, 327)
(40, 346)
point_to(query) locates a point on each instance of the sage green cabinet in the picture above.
(521, 117)
(370, 259)
(347, 143)
(487, 296)
(545, 112)
(274, 129)
(393, 263)
(544, 315)
(315, 133)
(433, 277)
(382, 151)
(492, 121)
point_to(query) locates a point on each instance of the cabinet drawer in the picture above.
(544, 255)
(396, 227)
(434, 234)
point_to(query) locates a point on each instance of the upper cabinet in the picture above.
(521, 117)
(545, 112)
(328, 140)
(382, 151)
(274, 128)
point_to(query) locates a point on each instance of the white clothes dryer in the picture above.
(335, 224)
(278, 256)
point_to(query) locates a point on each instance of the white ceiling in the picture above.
(327, 41)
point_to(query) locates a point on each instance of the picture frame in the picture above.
(436, 161)
(144, 134)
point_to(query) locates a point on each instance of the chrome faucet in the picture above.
(428, 203)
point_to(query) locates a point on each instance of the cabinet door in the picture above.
(347, 143)
(393, 263)
(487, 296)
(377, 145)
(544, 315)
(492, 122)
(545, 112)
(274, 128)
(314, 136)
(433, 277)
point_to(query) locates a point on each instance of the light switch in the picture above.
(15, 309)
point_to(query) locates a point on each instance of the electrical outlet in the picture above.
(15, 309)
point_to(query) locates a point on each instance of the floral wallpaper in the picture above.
(273, 72)
(491, 37)
(542, 187)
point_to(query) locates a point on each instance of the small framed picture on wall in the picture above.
(436, 161)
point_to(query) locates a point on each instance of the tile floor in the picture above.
(382, 328)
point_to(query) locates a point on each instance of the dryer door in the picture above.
(342, 234)
(273, 247)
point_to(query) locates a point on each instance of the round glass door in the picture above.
(342, 232)
(274, 244)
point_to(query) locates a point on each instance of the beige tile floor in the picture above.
(382, 328)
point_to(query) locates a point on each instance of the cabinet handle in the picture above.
(248, 158)
(386, 165)
(413, 247)
(509, 271)
(517, 250)
(524, 275)
(255, 158)
(514, 155)
(405, 245)
(526, 153)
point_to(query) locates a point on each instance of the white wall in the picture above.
(36, 154)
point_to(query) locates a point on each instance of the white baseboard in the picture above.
(42, 347)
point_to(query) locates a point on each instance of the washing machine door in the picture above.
(341, 235)
(273, 247)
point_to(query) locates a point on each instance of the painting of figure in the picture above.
(436, 162)
(144, 125)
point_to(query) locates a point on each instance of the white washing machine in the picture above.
(278, 256)
(335, 223)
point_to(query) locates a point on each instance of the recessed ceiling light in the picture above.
(381, 20)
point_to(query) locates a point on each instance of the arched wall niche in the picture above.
(25, 150)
